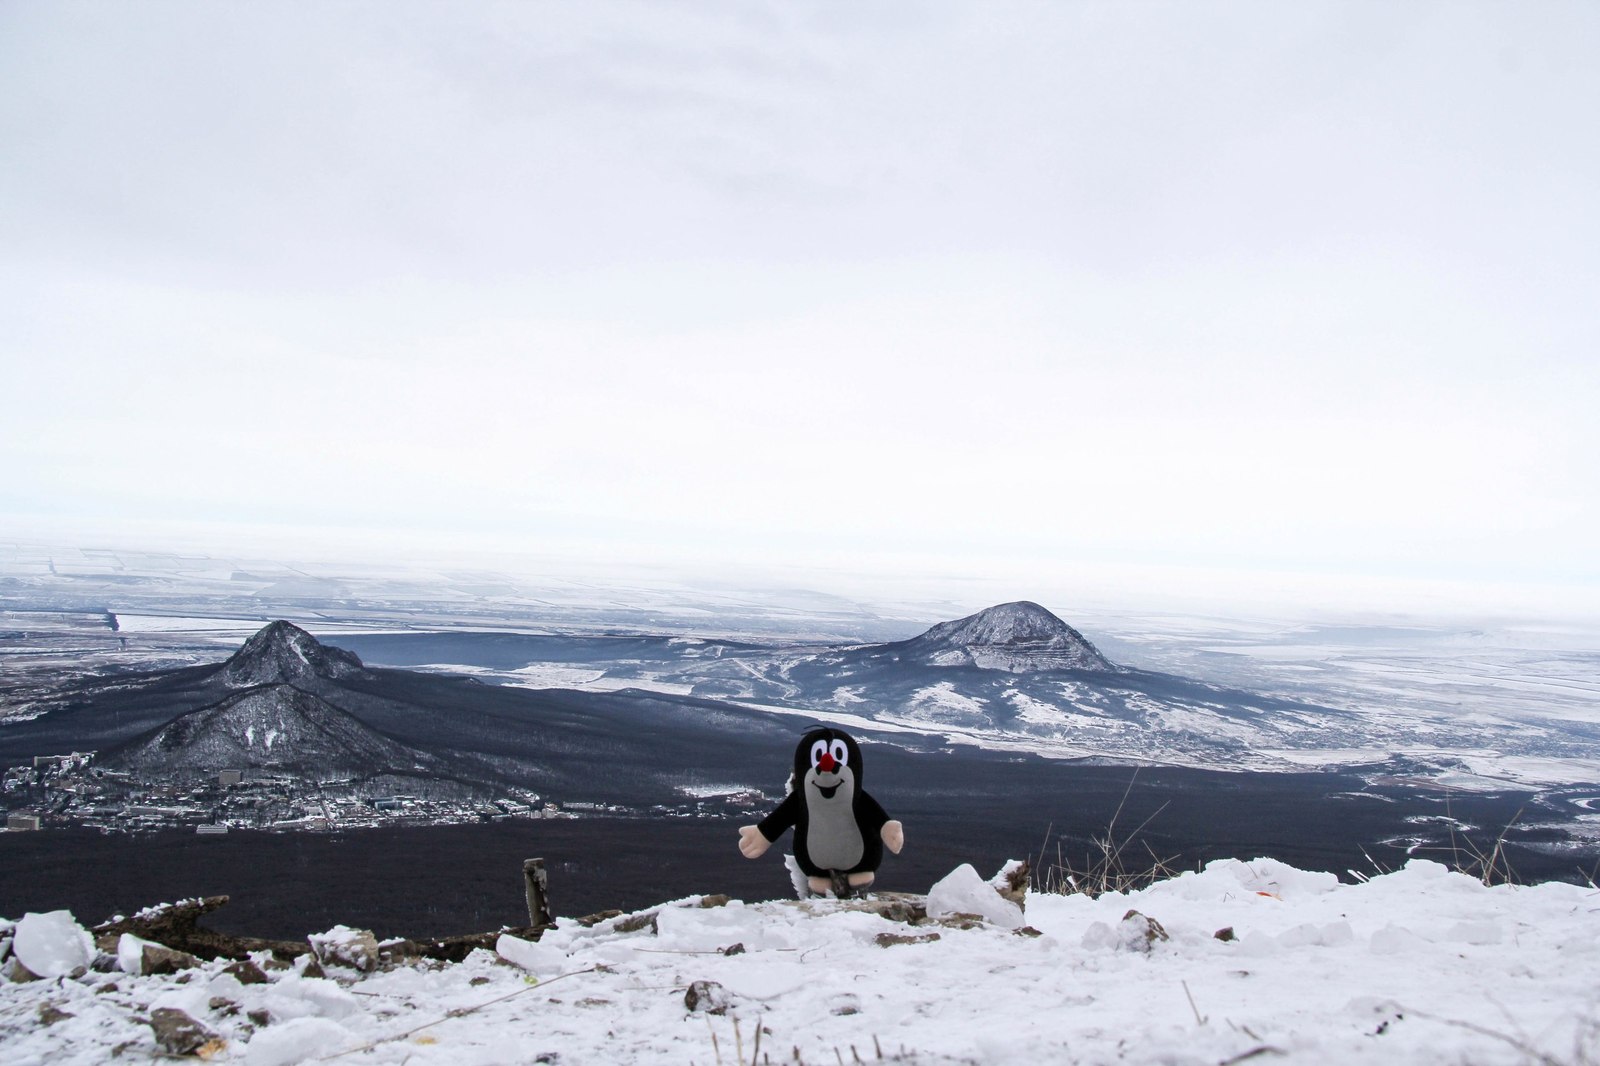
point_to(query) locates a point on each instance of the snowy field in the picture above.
(1417, 966)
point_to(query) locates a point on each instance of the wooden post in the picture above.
(537, 883)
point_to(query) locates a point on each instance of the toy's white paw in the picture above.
(752, 845)
(894, 836)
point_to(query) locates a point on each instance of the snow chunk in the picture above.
(1482, 933)
(52, 944)
(962, 891)
(296, 1040)
(130, 953)
(531, 955)
(1226, 878)
(1310, 934)
(1397, 940)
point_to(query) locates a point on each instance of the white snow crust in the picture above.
(1418, 966)
(962, 891)
(51, 944)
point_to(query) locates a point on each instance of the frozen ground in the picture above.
(1418, 966)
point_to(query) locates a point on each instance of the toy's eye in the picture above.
(841, 754)
(818, 750)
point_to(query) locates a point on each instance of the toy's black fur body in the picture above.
(833, 833)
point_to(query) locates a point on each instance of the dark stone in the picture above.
(158, 959)
(708, 997)
(1146, 929)
(49, 1014)
(246, 972)
(589, 921)
(177, 1033)
(637, 922)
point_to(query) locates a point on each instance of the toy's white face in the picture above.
(829, 769)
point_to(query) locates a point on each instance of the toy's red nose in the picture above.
(827, 764)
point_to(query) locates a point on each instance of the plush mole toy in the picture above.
(839, 830)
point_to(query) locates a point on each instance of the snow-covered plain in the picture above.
(1420, 966)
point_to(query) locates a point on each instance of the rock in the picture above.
(313, 968)
(589, 921)
(1225, 934)
(343, 946)
(259, 1018)
(637, 922)
(707, 997)
(718, 900)
(1028, 931)
(52, 944)
(49, 1014)
(173, 925)
(155, 959)
(224, 1006)
(898, 908)
(1140, 932)
(177, 1033)
(844, 1005)
(733, 949)
(246, 972)
(889, 940)
(961, 920)
(1012, 882)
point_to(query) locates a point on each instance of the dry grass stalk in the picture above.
(1488, 865)
(1103, 868)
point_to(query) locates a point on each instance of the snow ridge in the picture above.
(1241, 961)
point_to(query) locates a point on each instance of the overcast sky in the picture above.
(941, 288)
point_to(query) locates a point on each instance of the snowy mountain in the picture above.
(1019, 637)
(274, 727)
(283, 653)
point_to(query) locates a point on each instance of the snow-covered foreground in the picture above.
(1421, 965)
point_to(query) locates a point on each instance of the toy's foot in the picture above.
(819, 886)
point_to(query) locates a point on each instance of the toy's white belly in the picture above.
(833, 838)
